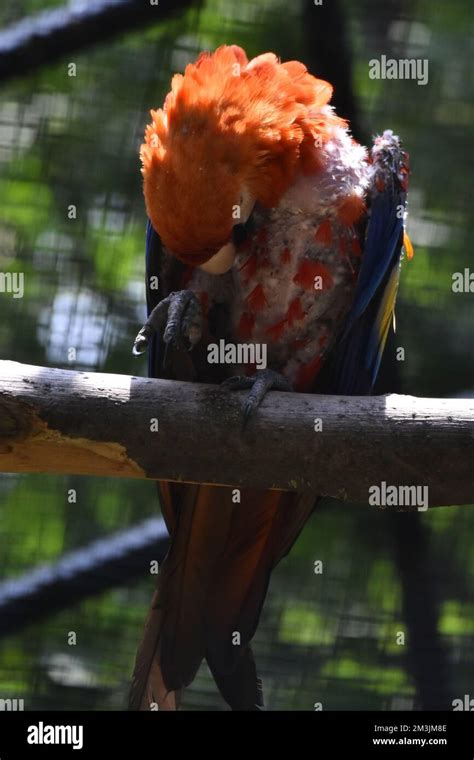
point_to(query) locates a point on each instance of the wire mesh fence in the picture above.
(72, 222)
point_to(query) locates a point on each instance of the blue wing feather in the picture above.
(359, 351)
(382, 246)
(153, 257)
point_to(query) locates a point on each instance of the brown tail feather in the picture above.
(264, 527)
(148, 687)
(174, 643)
(241, 689)
(212, 584)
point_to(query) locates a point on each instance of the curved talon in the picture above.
(176, 316)
(259, 384)
(140, 344)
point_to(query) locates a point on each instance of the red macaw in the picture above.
(268, 226)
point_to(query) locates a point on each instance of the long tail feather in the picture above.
(148, 690)
(174, 641)
(264, 527)
(242, 689)
(211, 587)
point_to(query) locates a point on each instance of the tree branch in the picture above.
(45, 37)
(116, 560)
(60, 421)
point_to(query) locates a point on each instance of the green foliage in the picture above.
(74, 140)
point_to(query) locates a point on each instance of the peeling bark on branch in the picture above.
(60, 421)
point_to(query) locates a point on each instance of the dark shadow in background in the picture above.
(44, 39)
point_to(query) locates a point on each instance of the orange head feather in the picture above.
(227, 126)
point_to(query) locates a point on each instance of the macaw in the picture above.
(267, 224)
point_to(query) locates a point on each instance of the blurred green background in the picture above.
(329, 638)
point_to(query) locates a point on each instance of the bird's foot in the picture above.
(260, 383)
(178, 316)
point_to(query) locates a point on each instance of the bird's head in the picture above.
(231, 133)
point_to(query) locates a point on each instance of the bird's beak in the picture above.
(221, 262)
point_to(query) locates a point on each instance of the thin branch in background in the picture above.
(114, 561)
(48, 36)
